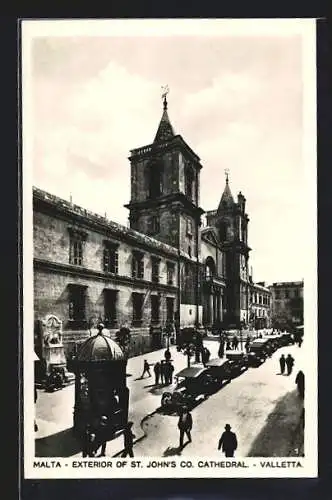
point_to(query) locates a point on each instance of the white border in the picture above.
(284, 27)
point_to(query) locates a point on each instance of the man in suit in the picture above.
(228, 442)
(185, 425)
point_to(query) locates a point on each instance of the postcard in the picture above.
(169, 248)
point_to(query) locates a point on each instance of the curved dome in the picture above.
(100, 348)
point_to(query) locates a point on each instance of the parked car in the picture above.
(238, 361)
(220, 370)
(191, 384)
(259, 350)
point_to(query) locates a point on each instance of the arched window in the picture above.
(155, 180)
(189, 182)
(210, 268)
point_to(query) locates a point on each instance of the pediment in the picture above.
(209, 235)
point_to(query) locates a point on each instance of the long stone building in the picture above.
(164, 267)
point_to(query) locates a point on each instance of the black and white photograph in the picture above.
(169, 248)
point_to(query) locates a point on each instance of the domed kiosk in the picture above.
(100, 385)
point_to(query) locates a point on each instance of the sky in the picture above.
(236, 100)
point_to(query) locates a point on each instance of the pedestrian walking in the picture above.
(235, 342)
(156, 370)
(167, 355)
(185, 424)
(228, 345)
(282, 362)
(221, 350)
(247, 345)
(300, 383)
(289, 363)
(128, 440)
(162, 372)
(228, 442)
(146, 369)
(168, 373)
(205, 355)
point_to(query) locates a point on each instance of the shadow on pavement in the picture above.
(172, 451)
(282, 434)
(61, 444)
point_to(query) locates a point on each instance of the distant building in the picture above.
(165, 268)
(260, 306)
(287, 303)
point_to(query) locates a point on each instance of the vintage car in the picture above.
(259, 350)
(220, 370)
(192, 384)
(238, 361)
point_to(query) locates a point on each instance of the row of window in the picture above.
(78, 299)
(260, 313)
(260, 299)
(111, 260)
(287, 294)
(155, 180)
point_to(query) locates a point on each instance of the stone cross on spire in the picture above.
(165, 91)
(226, 174)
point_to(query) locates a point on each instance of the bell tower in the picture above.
(165, 187)
(231, 222)
(164, 204)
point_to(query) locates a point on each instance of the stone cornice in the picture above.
(154, 149)
(82, 272)
(176, 198)
(74, 215)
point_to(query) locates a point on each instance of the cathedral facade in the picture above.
(164, 267)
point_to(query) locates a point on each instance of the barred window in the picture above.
(76, 246)
(138, 265)
(137, 299)
(110, 309)
(170, 273)
(110, 259)
(155, 269)
(155, 307)
(77, 302)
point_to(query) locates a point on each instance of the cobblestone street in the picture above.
(256, 404)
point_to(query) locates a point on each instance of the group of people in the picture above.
(286, 362)
(163, 371)
(95, 438)
(227, 344)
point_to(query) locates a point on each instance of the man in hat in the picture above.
(289, 363)
(185, 424)
(128, 440)
(228, 442)
(146, 369)
(156, 370)
(282, 362)
(299, 380)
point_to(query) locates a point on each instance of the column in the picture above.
(210, 308)
(214, 307)
(221, 307)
